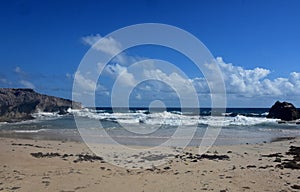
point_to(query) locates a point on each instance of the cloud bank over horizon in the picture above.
(241, 84)
(244, 87)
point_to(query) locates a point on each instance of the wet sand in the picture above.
(43, 165)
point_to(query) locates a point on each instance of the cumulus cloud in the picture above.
(125, 78)
(20, 72)
(4, 81)
(174, 80)
(105, 44)
(138, 96)
(84, 83)
(69, 76)
(27, 84)
(240, 82)
(110, 46)
(23, 78)
(88, 86)
(255, 82)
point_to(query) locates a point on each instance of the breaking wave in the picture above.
(172, 118)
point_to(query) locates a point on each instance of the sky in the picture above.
(256, 44)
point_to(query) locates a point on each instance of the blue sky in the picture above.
(256, 42)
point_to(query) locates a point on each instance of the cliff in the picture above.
(19, 104)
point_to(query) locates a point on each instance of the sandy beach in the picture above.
(43, 165)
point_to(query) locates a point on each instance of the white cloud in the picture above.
(138, 96)
(5, 81)
(18, 70)
(27, 84)
(69, 76)
(242, 81)
(239, 82)
(88, 86)
(110, 46)
(200, 84)
(84, 83)
(105, 44)
(125, 78)
(23, 78)
(255, 82)
(174, 80)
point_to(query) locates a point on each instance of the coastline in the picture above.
(49, 165)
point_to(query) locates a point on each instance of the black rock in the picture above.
(294, 163)
(214, 157)
(295, 186)
(87, 157)
(273, 155)
(19, 104)
(291, 165)
(43, 155)
(277, 159)
(284, 111)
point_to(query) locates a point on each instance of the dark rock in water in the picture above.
(19, 104)
(284, 111)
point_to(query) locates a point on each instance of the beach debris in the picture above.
(251, 166)
(265, 167)
(43, 155)
(87, 157)
(14, 188)
(293, 163)
(295, 151)
(79, 157)
(27, 145)
(154, 157)
(295, 186)
(273, 155)
(195, 157)
(278, 160)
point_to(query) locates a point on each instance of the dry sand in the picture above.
(29, 165)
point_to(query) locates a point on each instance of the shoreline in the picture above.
(55, 137)
(48, 165)
(73, 135)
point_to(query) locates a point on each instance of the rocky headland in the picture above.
(20, 104)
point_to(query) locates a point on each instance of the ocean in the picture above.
(141, 126)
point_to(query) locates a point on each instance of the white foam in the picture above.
(265, 114)
(242, 120)
(29, 131)
(173, 119)
(46, 115)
